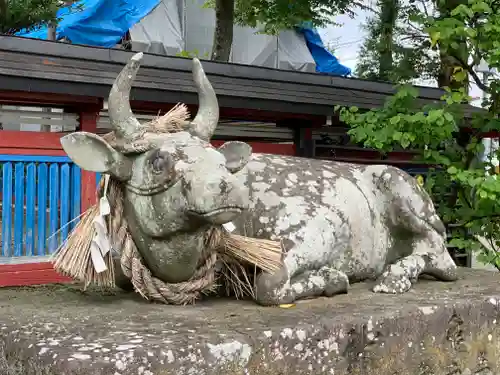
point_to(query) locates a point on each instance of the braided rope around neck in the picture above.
(150, 287)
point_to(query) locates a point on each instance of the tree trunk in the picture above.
(51, 31)
(4, 8)
(449, 62)
(388, 15)
(223, 35)
(449, 58)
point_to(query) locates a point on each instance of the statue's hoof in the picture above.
(392, 284)
(269, 288)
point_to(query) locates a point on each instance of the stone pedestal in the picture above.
(437, 328)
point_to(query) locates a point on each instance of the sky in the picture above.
(349, 37)
(346, 38)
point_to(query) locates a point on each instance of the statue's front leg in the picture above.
(430, 256)
(326, 281)
(399, 277)
(277, 289)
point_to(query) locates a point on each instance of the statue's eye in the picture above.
(160, 163)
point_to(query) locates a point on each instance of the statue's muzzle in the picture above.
(217, 199)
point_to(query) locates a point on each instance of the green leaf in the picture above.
(395, 120)
(480, 7)
(208, 4)
(457, 97)
(405, 142)
(435, 36)
(459, 77)
(471, 33)
(448, 116)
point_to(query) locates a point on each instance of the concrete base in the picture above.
(437, 328)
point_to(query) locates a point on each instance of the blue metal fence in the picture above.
(40, 198)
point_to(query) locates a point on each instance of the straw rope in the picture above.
(150, 287)
(131, 262)
(233, 252)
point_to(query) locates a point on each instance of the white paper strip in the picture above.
(97, 259)
(101, 236)
(104, 208)
(230, 227)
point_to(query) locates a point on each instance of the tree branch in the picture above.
(473, 74)
(362, 6)
(493, 247)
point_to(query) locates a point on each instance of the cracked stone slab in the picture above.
(436, 328)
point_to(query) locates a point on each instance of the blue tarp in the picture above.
(325, 61)
(97, 22)
(103, 23)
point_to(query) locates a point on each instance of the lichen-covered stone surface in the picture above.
(436, 328)
(339, 222)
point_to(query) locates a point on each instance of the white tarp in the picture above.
(184, 25)
(160, 31)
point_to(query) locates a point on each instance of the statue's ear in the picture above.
(237, 155)
(92, 153)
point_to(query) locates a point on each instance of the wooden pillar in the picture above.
(302, 135)
(88, 123)
(303, 141)
(308, 143)
(298, 141)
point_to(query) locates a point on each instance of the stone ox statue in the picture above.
(339, 222)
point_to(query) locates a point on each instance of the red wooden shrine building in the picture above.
(49, 88)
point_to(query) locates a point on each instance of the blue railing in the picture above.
(40, 198)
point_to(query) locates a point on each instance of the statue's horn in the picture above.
(123, 121)
(207, 118)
